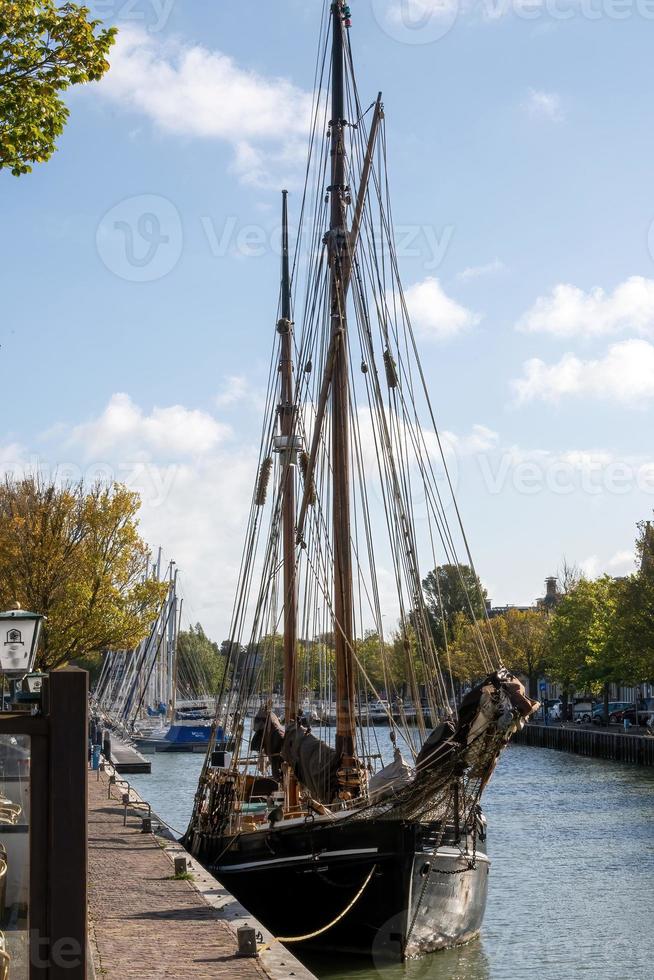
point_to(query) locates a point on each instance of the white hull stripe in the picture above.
(316, 858)
(453, 852)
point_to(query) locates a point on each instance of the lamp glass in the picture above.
(19, 637)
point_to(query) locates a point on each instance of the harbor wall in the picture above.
(595, 743)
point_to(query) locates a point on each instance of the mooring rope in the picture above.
(319, 932)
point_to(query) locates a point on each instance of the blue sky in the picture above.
(140, 267)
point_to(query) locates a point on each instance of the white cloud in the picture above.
(570, 312)
(590, 566)
(194, 489)
(621, 563)
(476, 271)
(435, 316)
(624, 374)
(235, 389)
(12, 458)
(193, 91)
(544, 105)
(166, 432)
(480, 439)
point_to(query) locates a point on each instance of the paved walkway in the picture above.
(142, 922)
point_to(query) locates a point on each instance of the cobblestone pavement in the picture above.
(142, 921)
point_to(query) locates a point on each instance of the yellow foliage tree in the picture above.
(75, 556)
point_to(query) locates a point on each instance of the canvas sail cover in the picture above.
(314, 763)
(391, 778)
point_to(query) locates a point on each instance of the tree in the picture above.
(200, 666)
(451, 590)
(76, 557)
(467, 644)
(523, 644)
(45, 47)
(585, 639)
(636, 613)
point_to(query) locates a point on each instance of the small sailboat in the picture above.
(351, 500)
(151, 699)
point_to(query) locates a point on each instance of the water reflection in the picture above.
(572, 845)
(465, 963)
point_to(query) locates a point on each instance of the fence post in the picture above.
(68, 830)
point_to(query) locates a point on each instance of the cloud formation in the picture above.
(196, 92)
(625, 374)
(165, 432)
(434, 315)
(544, 105)
(477, 271)
(570, 312)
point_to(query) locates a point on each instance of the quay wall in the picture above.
(595, 743)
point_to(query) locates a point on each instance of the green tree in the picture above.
(636, 613)
(76, 557)
(585, 639)
(200, 666)
(452, 590)
(467, 646)
(45, 47)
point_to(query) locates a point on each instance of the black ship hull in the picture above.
(414, 893)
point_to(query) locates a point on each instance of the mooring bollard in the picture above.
(181, 866)
(146, 826)
(247, 941)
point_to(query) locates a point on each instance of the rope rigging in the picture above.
(401, 497)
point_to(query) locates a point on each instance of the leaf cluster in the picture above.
(45, 48)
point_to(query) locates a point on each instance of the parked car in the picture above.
(645, 711)
(582, 711)
(615, 708)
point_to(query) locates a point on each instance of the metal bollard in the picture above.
(247, 941)
(146, 826)
(181, 866)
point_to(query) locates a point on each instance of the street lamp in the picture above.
(19, 639)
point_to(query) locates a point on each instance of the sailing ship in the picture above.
(392, 856)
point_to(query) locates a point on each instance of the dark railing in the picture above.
(617, 746)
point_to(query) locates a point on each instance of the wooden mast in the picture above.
(287, 426)
(343, 605)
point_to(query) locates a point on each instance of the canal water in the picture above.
(572, 882)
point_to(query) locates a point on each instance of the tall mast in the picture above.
(343, 605)
(287, 426)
